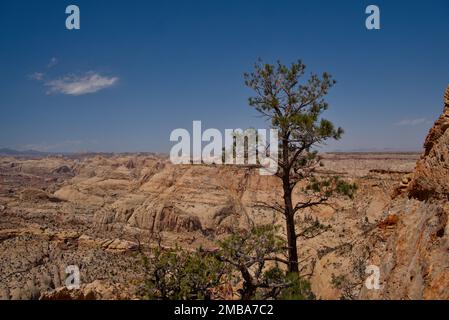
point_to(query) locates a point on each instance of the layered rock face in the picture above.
(157, 196)
(413, 255)
(431, 177)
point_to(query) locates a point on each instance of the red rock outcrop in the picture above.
(413, 256)
(431, 177)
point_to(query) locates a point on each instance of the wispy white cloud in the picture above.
(53, 61)
(77, 85)
(38, 76)
(413, 122)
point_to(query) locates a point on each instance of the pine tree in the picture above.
(294, 108)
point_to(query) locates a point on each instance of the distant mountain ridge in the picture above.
(13, 152)
(36, 153)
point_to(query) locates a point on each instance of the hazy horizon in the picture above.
(359, 150)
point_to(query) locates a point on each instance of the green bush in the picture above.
(181, 275)
(298, 289)
(250, 259)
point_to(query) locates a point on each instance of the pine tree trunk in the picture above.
(291, 233)
(288, 208)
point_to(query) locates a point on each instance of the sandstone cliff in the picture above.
(413, 254)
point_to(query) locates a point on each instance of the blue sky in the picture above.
(136, 70)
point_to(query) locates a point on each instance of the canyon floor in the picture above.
(94, 210)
